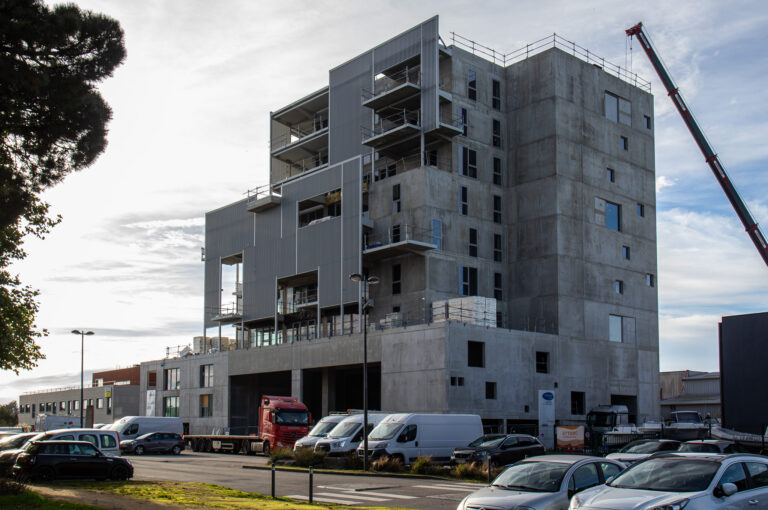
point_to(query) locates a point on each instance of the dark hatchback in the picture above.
(154, 442)
(51, 460)
(501, 449)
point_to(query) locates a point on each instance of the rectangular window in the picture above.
(618, 286)
(624, 143)
(490, 390)
(496, 209)
(468, 286)
(206, 406)
(464, 120)
(496, 133)
(395, 198)
(171, 379)
(469, 162)
(498, 253)
(109, 405)
(63, 405)
(647, 120)
(610, 175)
(613, 216)
(650, 280)
(475, 354)
(472, 84)
(430, 158)
(577, 402)
(472, 242)
(453, 380)
(641, 210)
(614, 328)
(396, 273)
(499, 320)
(395, 233)
(460, 381)
(463, 200)
(497, 286)
(625, 252)
(497, 175)
(99, 403)
(437, 233)
(206, 376)
(542, 362)
(76, 405)
(618, 109)
(151, 379)
(171, 406)
(496, 94)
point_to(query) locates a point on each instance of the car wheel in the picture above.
(265, 448)
(120, 473)
(176, 450)
(44, 474)
(139, 450)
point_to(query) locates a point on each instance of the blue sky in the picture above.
(190, 134)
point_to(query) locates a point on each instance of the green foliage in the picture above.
(306, 457)
(470, 471)
(353, 461)
(388, 465)
(52, 122)
(279, 453)
(425, 466)
(27, 500)
(9, 415)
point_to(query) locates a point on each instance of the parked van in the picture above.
(131, 427)
(348, 434)
(410, 436)
(45, 422)
(107, 441)
(319, 431)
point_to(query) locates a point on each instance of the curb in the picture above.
(358, 473)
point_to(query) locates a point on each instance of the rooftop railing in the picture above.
(552, 41)
(77, 387)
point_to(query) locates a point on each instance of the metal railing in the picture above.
(77, 387)
(228, 309)
(396, 234)
(388, 82)
(382, 167)
(260, 192)
(297, 133)
(393, 121)
(552, 41)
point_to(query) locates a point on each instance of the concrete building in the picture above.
(109, 396)
(688, 390)
(525, 178)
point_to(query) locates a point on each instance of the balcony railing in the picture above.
(385, 83)
(300, 300)
(297, 133)
(261, 198)
(391, 122)
(397, 234)
(383, 168)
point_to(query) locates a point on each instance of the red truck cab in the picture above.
(282, 421)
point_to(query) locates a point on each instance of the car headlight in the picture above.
(677, 505)
(575, 502)
(481, 453)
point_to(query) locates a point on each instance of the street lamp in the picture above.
(82, 334)
(371, 280)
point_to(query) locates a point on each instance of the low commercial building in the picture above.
(689, 390)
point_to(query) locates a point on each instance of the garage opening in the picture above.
(244, 398)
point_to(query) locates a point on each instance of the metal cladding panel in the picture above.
(351, 229)
(346, 114)
(260, 265)
(430, 110)
(402, 47)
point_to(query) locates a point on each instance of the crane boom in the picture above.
(709, 155)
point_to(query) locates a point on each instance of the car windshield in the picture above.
(13, 442)
(534, 476)
(698, 448)
(144, 436)
(686, 417)
(322, 428)
(344, 430)
(486, 441)
(670, 474)
(642, 447)
(600, 419)
(291, 417)
(384, 431)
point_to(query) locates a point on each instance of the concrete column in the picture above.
(297, 379)
(324, 407)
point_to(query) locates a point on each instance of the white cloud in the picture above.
(662, 181)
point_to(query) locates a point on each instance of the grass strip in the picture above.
(29, 500)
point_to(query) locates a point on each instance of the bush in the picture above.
(279, 453)
(388, 464)
(424, 466)
(306, 457)
(11, 487)
(471, 471)
(353, 461)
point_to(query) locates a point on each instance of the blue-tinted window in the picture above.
(437, 233)
(613, 216)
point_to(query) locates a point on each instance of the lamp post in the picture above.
(82, 334)
(371, 280)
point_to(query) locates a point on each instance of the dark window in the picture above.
(496, 133)
(392, 170)
(396, 279)
(624, 143)
(460, 381)
(542, 362)
(641, 210)
(625, 252)
(151, 379)
(735, 474)
(475, 354)
(206, 376)
(650, 280)
(171, 406)
(396, 309)
(759, 473)
(647, 121)
(610, 174)
(469, 162)
(497, 175)
(496, 94)
(496, 209)
(497, 287)
(395, 233)
(430, 158)
(468, 286)
(490, 390)
(472, 242)
(577, 402)
(499, 320)
(172, 379)
(464, 120)
(585, 476)
(472, 84)
(498, 253)
(395, 198)
(618, 109)
(618, 286)
(463, 200)
(613, 216)
(453, 380)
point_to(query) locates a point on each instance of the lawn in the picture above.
(29, 500)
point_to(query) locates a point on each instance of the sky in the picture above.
(190, 134)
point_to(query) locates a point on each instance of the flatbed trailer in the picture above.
(248, 445)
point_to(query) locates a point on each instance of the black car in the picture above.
(51, 460)
(501, 449)
(154, 442)
(8, 456)
(16, 441)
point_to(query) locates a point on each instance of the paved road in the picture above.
(228, 470)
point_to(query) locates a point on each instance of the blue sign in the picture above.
(548, 395)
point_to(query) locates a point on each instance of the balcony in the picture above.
(392, 88)
(228, 313)
(449, 126)
(397, 240)
(262, 198)
(395, 127)
(301, 141)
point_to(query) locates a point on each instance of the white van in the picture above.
(108, 441)
(131, 427)
(410, 436)
(45, 422)
(319, 431)
(347, 435)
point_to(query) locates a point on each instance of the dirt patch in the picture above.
(100, 499)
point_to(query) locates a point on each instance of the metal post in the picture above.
(82, 365)
(365, 377)
(273, 480)
(311, 474)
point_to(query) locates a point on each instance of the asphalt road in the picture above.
(227, 470)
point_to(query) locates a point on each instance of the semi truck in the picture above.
(282, 421)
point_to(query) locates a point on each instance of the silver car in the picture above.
(546, 482)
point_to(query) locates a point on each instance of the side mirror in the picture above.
(725, 490)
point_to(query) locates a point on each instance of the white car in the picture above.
(642, 449)
(545, 482)
(690, 481)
